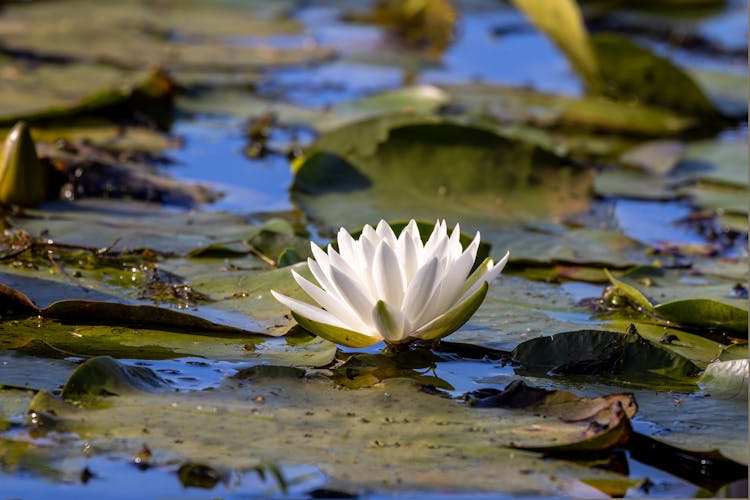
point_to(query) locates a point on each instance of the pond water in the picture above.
(494, 44)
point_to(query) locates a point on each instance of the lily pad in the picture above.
(726, 379)
(607, 417)
(597, 353)
(690, 307)
(432, 169)
(53, 91)
(387, 420)
(628, 71)
(569, 114)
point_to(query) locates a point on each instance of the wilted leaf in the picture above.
(607, 418)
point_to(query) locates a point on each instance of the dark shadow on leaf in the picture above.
(325, 172)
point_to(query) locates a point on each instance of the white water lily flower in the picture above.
(396, 289)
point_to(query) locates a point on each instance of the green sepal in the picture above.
(335, 334)
(455, 317)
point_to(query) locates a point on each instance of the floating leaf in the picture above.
(429, 169)
(726, 379)
(628, 71)
(387, 419)
(578, 121)
(592, 352)
(105, 376)
(694, 312)
(607, 418)
(420, 23)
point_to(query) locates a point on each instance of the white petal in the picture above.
(321, 258)
(346, 246)
(333, 304)
(323, 280)
(389, 322)
(436, 250)
(386, 274)
(308, 311)
(353, 294)
(419, 290)
(455, 277)
(409, 258)
(369, 234)
(410, 231)
(386, 234)
(437, 234)
(454, 245)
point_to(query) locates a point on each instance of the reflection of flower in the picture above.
(397, 289)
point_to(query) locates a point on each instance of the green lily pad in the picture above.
(100, 223)
(387, 419)
(726, 379)
(593, 352)
(594, 114)
(104, 376)
(34, 348)
(700, 350)
(689, 305)
(656, 157)
(429, 170)
(198, 38)
(53, 91)
(630, 72)
(634, 183)
(717, 161)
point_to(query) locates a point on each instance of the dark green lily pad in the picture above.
(597, 353)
